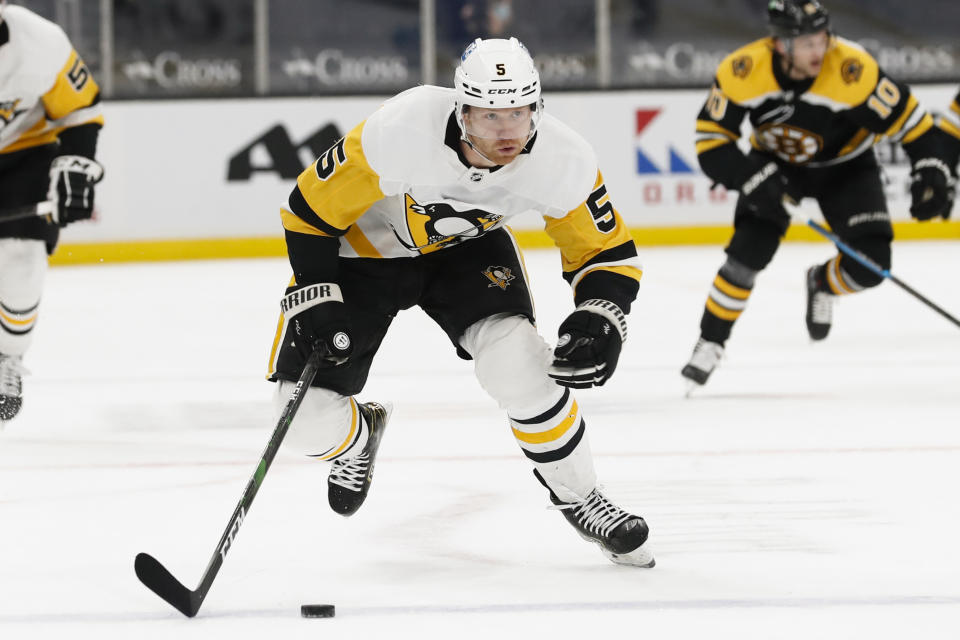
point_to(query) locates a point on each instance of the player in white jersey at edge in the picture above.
(409, 208)
(49, 122)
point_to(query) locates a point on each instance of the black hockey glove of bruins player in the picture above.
(317, 320)
(589, 345)
(931, 189)
(71, 187)
(763, 191)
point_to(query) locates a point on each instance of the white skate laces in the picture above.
(11, 374)
(706, 355)
(350, 473)
(821, 308)
(11, 387)
(597, 514)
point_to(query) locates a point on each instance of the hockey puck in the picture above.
(317, 610)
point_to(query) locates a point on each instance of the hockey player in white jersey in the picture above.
(409, 208)
(49, 121)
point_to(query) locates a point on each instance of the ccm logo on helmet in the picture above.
(501, 91)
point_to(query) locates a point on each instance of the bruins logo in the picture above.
(793, 144)
(742, 66)
(851, 70)
(437, 225)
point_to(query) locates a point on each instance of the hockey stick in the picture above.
(44, 208)
(156, 577)
(873, 266)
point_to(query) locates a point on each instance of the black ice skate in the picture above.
(819, 305)
(706, 356)
(620, 535)
(349, 479)
(11, 386)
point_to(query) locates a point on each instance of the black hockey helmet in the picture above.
(791, 18)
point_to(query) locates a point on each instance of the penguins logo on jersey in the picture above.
(436, 225)
(499, 276)
(8, 111)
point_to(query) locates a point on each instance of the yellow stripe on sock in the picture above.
(729, 289)
(353, 430)
(834, 267)
(720, 312)
(15, 321)
(550, 435)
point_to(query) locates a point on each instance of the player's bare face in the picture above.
(807, 54)
(499, 134)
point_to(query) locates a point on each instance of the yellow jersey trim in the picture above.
(747, 74)
(708, 145)
(708, 126)
(848, 76)
(292, 222)
(855, 142)
(360, 243)
(925, 124)
(949, 127)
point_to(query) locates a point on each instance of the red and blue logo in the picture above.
(673, 163)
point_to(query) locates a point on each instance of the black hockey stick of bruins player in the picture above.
(873, 266)
(156, 577)
(44, 208)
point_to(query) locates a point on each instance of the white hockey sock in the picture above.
(556, 441)
(327, 426)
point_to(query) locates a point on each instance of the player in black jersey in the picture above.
(949, 123)
(817, 103)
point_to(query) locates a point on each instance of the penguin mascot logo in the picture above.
(499, 276)
(8, 111)
(437, 225)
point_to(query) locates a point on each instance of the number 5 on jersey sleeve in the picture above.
(333, 158)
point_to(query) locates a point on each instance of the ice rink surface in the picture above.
(808, 491)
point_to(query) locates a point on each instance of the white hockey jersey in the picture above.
(44, 85)
(393, 188)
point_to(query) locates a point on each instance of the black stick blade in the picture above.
(156, 577)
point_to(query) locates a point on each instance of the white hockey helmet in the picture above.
(497, 74)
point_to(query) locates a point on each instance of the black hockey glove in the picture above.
(763, 191)
(71, 187)
(931, 189)
(589, 345)
(318, 321)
